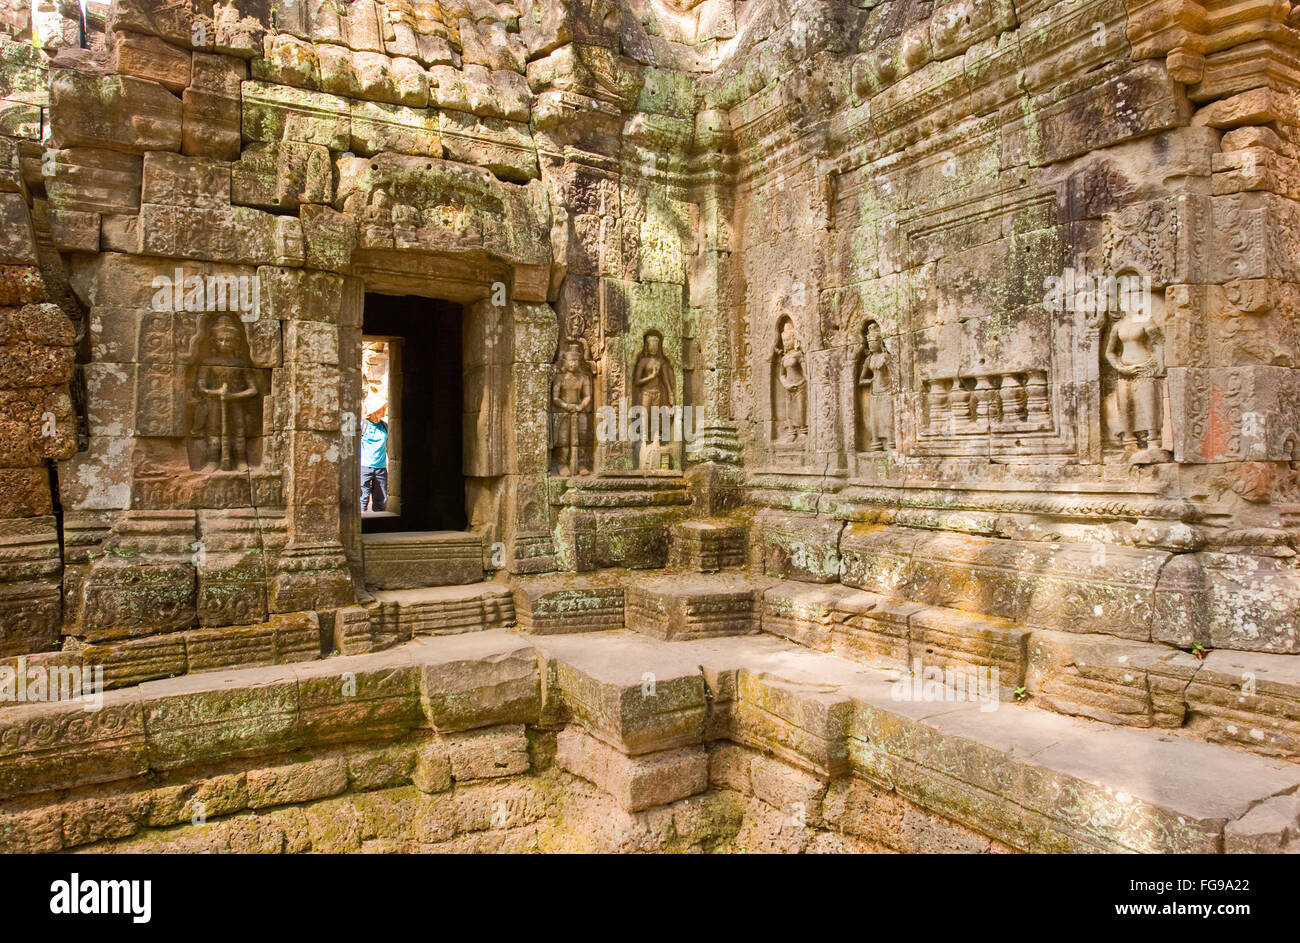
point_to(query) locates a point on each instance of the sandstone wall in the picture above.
(526, 161)
(922, 173)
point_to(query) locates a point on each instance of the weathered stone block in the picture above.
(444, 610)
(202, 716)
(432, 767)
(94, 180)
(625, 691)
(283, 639)
(479, 680)
(397, 128)
(488, 754)
(1249, 700)
(349, 698)
(354, 633)
(802, 613)
(134, 661)
(707, 546)
(945, 638)
(210, 123)
(794, 792)
(504, 147)
(796, 722)
(381, 769)
(877, 559)
(197, 800)
(106, 111)
(1251, 602)
(60, 746)
(557, 604)
(287, 60)
(73, 231)
(432, 558)
(124, 599)
(148, 57)
(17, 241)
(1116, 681)
(185, 181)
(635, 783)
(296, 782)
(873, 630)
(695, 606)
(1272, 827)
(272, 113)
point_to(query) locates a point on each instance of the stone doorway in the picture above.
(422, 340)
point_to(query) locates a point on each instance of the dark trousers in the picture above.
(374, 488)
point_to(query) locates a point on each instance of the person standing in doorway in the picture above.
(374, 455)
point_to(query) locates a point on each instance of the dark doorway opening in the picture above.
(424, 338)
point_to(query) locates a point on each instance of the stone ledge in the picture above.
(707, 546)
(412, 560)
(547, 605)
(1247, 699)
(626, 691)
(693, 606)
(468, 681)
(1025, 779)
(1136, 684)
(803, 612)
(282, 639)
(403, 614)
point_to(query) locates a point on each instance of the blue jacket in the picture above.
(374, 444)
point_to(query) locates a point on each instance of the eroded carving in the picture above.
(875, 392)
(224, 397)
(789, 386)
(571, 399)
(1134, 353)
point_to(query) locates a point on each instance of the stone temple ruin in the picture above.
(828, 425)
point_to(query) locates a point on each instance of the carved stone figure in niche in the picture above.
(875, 393)
(224, 396)
(1134, 351)
(789, 386)
(571, 413)
(652, 377)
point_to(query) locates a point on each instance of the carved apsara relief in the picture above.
(789, 386)
(224, 397)
(572, 397)
(1134, 378)
(875, 386)
(653, 381)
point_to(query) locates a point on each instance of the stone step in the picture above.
(884, 633)
(401, 614)
(693, 606)
(569, 602)
(643, 719)
(1247, 699)
(629, 691)
(415, 559)
(707, 546)
(804, 612)
(281, 639)
(1028, 778)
